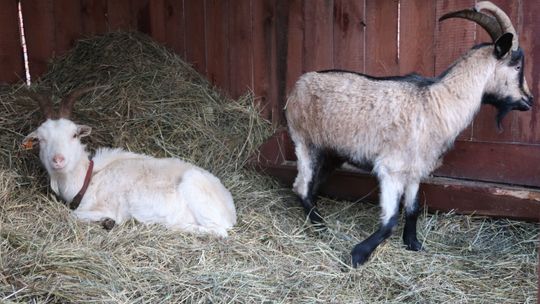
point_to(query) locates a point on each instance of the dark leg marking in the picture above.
(362, 251)
(409, 231)
(323, 164)
(108, 224)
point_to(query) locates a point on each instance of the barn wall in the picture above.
(264, 45)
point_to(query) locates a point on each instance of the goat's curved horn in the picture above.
(67, 103)
(45, 103)
(502, 18)
(490, 24)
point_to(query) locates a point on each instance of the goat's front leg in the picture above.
(391, 191)
(95, 216)
(412, 209)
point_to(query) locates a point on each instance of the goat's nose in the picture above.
(58, 159)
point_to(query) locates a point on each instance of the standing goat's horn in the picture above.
(502, 18)
(66, 105)
(490, 24)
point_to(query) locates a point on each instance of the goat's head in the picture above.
(60, 148)
(507, 89)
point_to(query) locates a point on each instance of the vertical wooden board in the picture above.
(264, 55)
(295, 43)
(349, 35)
(94, 16)
(217, 43)
(318, 35)
(484, 123)
(529, 123)
(417, 37)
(119, 15)
(453, 37)
(39, 31)
(11, 56)
(67, 24)
(381, 38)
(175, 24)
(241, 47)
(140, 13)
(194, 12)
(157, 20)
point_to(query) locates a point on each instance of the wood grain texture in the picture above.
(381, 38)
(11, 55)
(67, 24)
(349, 35)
(295, 43)
(195, 40)
(175, 26)
(318, 35)
(417, 37)
(119, 15)
(265, 55)
(240, 47)
(94, 17)
(39, 24)
(217, 45)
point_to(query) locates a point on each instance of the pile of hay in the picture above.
(157, 104)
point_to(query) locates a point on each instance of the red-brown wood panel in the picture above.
(453, 37)
(417, 37)
(349, 35)
(39, 21)
(381, 38)
(175, 25)
(240, 47)
(140, 13)
(217, 43)
(493, 162)
(264, 55)
(295, 43)
(318, 35)
(67, 24)
(11, 56)
(94, 17)
(194, 12)
(157, 20)
(530, 42)
(119, 15)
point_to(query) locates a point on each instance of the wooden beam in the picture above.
(442, 194)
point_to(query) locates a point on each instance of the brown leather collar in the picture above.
(77, 199)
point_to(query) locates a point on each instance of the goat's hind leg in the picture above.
(308, 164)
(391, 191)
(412, 209)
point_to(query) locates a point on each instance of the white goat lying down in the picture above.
(401, 125)
(117, 185)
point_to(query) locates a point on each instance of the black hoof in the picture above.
(316, 219)
(108, 224)
(413, 245)
(360, 254)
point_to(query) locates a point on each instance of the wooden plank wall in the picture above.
(265, 45)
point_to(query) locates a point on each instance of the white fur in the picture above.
(126, 185)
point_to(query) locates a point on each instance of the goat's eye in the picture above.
(75, 135)
(518, 67)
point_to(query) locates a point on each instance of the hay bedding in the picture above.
(157, 104)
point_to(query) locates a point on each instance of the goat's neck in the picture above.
(68, 184)
(458, 94)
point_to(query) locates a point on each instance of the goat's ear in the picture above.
(503, 45)
(83, 130)
(30, 140)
